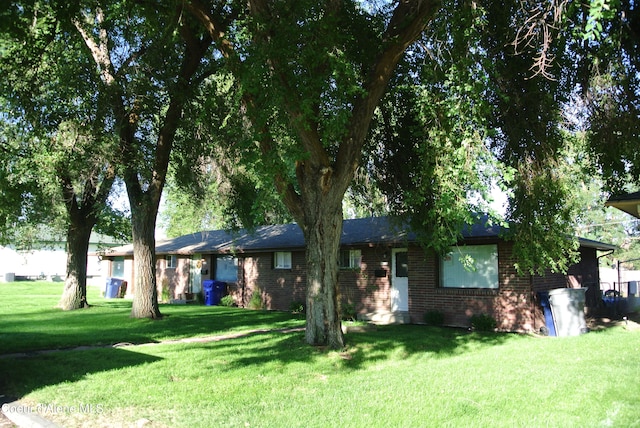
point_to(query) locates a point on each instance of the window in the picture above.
(470, 266)
(226, 269)
(117, 267)
(350, 259)
(282, 260)
(172, 262)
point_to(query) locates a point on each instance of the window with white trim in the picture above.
(350, 259)
(172, 261)
(282, 260)
(470, 266)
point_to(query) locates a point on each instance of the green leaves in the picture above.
(600, 11)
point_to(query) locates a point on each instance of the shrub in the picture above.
(256, 300)
(349, 311)
(165, 296)
(434, 318)
(297, 307)
(227, 301)
(482, 322)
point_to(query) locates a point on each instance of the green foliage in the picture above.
(256, 302)
(435, 318)
(227, 301)
(482, 322)
(297, 307)
(166, 295)
(348, 311)
(600, 12)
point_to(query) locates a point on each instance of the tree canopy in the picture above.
(425, 104)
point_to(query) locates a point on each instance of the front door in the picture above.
(399, 280)
(195, 273)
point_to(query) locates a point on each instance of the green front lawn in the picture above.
(396, 376)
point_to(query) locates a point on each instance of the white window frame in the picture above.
(354, 257)
(470, 266)
(172, 261)
(282, 260)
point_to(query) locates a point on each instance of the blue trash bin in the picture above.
(548, 315)
(219, 289)
(213, 291)
(112, 288)
(207, 291)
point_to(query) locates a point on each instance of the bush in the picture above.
(256, 300)
(227, 301)
(483, 322)
(349, 312)
(165, 295)
(434, 318)
(297, 307)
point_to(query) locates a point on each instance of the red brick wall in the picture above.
(175, 279)
(369, 287)
(278, 287)
(513, 305)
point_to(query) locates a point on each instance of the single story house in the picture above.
(385, 276)
(47, 259)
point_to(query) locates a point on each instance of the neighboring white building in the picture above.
(609, 280)
(50, 261)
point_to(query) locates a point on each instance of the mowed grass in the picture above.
(30, 321)
(397, 376)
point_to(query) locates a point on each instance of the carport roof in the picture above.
(287, 237)
(629, 203)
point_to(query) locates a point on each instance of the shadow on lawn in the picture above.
(22, 375)
(109, 323)
(397, 342)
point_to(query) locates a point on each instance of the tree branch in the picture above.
(409, 20)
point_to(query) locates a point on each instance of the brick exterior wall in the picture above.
(514, 304)
(175, 280)
(511, 305)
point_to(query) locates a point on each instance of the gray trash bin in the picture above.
(567, 306)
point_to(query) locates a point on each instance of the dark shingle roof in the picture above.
(286, 237)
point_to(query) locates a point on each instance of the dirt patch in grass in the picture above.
(630, 321)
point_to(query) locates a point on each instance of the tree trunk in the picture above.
(145, 291)
(323, 246)
(74, 295)
(322, 227)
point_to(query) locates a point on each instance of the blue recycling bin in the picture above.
(548, 315)
(213, 291)
(112, 288)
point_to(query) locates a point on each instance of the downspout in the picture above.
(533, 304)
(242, 280)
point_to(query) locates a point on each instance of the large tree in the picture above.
(311, 75)
(151, 59)
(56, 155)
(474, 91)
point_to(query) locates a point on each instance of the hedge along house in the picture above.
(385, 276)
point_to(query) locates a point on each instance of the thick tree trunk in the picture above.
(320, 216)
(323, 246)
(145, 292)
(74, 295)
